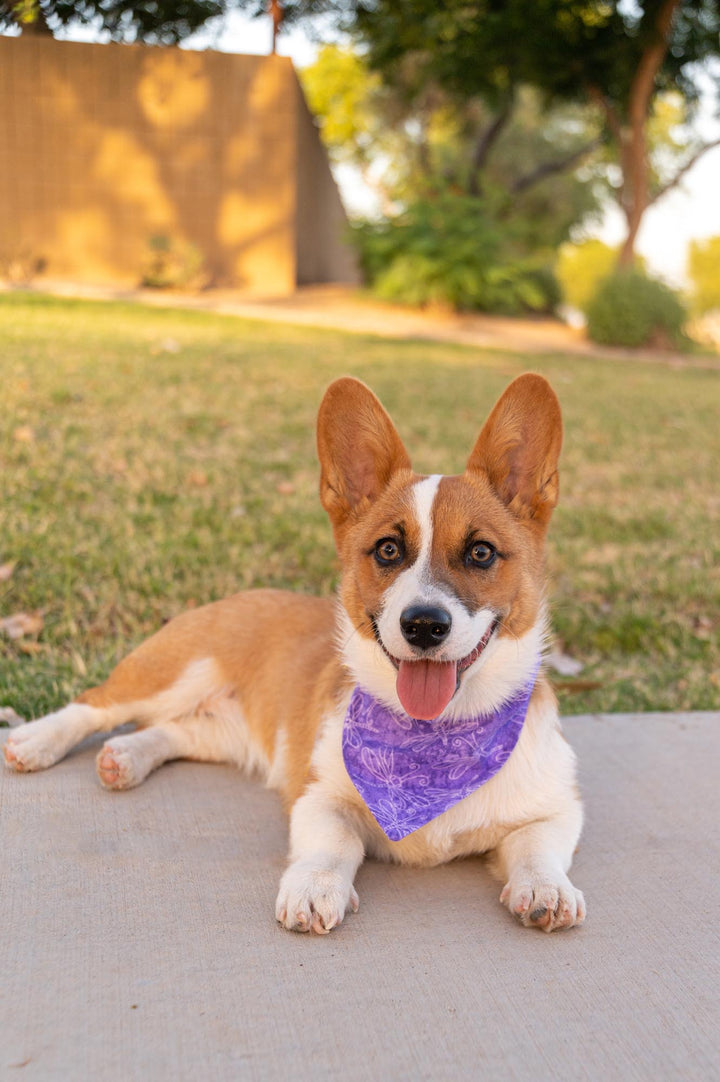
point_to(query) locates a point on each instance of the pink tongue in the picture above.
(426, 687)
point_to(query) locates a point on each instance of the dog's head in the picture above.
(442, 577)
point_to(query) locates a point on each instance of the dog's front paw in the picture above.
(542, 900)
(313, 898)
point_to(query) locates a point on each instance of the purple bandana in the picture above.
(409, 771)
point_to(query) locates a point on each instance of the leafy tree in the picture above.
(620, 56)
(411, 145)
(355, 111)
(154, 21)
(455, 231)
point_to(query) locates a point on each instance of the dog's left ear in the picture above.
(358, 447)
(519, 447)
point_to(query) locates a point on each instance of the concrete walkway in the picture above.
(139, 941)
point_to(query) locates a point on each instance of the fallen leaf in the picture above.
(22, 623)
(285, 488)
(24, 434)
(6, 570)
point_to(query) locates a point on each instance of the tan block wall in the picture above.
(104, 146)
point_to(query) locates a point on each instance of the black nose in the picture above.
(425, 626)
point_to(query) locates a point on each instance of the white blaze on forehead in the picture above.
(424, 493)
(415, 585)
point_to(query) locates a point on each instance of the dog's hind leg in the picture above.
(197, 717)
(149, 685)
(41, 743)
(183, 700)
(141, 688)
(194, 717)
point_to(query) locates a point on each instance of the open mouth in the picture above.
(426, 687)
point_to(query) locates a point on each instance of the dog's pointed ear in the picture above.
(358, 448)
(519, 447)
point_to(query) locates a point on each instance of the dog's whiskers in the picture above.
(356, 629)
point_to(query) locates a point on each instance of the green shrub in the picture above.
(445, 251)
(630, 309)
(581, 267)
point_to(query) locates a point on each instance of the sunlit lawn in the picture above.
(154, 459)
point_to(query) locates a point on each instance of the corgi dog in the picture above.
(409, 720)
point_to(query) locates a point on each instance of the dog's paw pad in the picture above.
(115, 768)
(541, 902)
(314, 899)
(10, 753)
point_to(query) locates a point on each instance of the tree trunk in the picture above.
(635, 188)
(276, 14)
(633, 148)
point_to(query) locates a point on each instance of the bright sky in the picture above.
(690, 211)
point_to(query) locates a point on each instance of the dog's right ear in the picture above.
(358, 447)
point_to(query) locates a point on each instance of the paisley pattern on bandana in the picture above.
(409, 771)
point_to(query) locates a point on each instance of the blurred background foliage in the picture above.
(485, 201)
(492, 134)
(472, 209)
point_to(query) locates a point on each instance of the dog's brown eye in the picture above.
(481, 554)
(388, 552)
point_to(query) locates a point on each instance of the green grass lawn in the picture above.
(155, 459)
